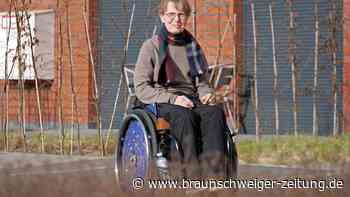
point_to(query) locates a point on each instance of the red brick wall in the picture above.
(212, 17)
(81, 69)
(346, 71)
(211, 20)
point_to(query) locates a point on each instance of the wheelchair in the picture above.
(143, 138)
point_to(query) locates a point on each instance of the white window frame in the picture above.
(12, 67)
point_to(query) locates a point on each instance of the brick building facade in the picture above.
(211, 19)
(49, 88)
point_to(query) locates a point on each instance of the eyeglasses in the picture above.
(172, 15)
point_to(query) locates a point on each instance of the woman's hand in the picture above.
(208, 99)
(184, 102)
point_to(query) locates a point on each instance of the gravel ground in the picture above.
(36, 175)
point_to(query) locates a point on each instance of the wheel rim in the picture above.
(134, 154)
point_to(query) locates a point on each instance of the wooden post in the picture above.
(216, 73)
(316, 57)
(275, 73)
(234, 79)
(292, 60)
(94, 75)
(19, 27)
(32, 43)
(6, 125)
(333, 47)
(71, 63)
(255, 95)
(60, 77)
(126, 47)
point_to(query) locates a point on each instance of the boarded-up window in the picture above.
(42, 28)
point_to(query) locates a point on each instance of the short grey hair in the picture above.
(180, 5)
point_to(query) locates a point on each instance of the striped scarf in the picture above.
(196, 58)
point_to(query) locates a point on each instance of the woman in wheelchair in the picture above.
(172, 71)
(171, 75)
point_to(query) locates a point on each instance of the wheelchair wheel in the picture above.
(232, 157)
(134, 152)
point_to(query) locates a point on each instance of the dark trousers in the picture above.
(200, 132)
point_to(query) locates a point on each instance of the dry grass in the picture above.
(89, 144)
(92, 181)
(284, 150)
(305, 151)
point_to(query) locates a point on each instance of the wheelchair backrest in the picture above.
(129, 73)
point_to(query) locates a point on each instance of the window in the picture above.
(42, 28)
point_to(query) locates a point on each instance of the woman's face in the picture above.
(175, 20)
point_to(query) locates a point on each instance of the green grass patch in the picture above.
(302, 150)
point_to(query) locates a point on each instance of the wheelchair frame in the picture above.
(143, 164)
(148, 118)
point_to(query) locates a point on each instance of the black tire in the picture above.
(232, 157)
